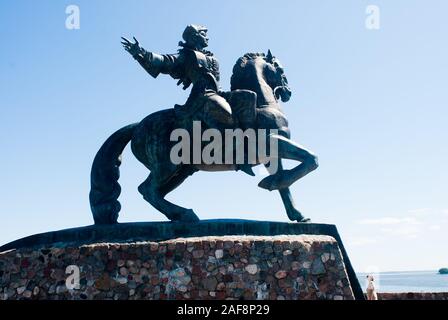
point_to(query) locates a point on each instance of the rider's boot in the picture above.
(246, 168)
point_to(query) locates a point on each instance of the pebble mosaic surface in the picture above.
(226, 267)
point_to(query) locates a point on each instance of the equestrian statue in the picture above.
(258, 83)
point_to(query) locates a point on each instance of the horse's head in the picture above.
(266, 70)
(276, 78)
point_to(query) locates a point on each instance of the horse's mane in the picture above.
(238, 74)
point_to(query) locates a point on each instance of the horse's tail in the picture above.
(104, 187)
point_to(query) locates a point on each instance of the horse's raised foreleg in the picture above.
(155, 193)
(287, 149)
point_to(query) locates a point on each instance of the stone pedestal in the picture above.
(150, 260)
(211, 267)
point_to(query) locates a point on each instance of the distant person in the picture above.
(371, 292)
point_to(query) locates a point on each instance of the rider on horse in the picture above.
(194, 65)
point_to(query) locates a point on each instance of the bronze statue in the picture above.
(194, 65)
(258, 81)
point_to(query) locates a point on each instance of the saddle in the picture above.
(215, 115)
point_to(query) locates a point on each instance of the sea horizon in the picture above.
(407, 281)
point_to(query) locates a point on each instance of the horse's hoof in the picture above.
(267, 183)
(276, 181)
(189, 216)
(297, 216)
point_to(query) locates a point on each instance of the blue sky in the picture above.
(370, 103)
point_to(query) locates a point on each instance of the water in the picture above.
(407, 281)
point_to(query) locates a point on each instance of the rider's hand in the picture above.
(133, 48)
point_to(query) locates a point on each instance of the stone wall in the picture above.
(226, 267)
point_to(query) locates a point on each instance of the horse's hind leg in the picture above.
(155, 193)
(293, 213)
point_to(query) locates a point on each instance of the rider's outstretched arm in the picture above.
(156, 64)
(153, 63)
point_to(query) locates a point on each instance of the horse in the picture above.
(257, 73)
